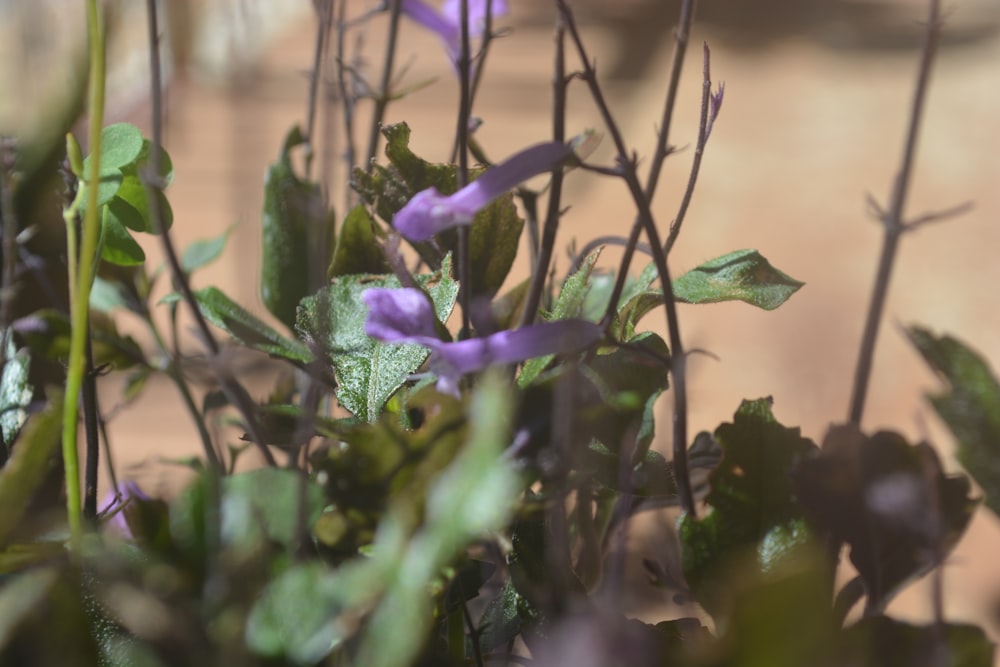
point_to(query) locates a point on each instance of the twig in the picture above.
(892, 221)
(663, 148)
(462, 139)
(91, 419)
(552, 215)
(347, 101)
(704, 127)
(324, 11)
(235, 392)
(383, 97)
(677, 357)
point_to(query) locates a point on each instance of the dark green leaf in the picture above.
(203, 252)
(117, 245)
(501, 620)
(359, 249)
(232, 318)
(752, 501)
(970, 406)
(133, 194)
(743, 275)
(369, 372)
(295, 231)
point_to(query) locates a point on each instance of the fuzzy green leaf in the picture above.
(267, 502)
(743, 275)
(235, 320)
(358, 246)
(369, 372)
(970, 406)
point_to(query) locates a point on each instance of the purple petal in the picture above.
(452, 360)
(429, 212)
(452, 11)
(431, 19)
(402, 315)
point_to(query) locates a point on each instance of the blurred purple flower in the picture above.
(446, 23)
(429, 212)
(405, 315)
(117, 503)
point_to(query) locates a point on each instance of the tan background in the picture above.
(816, 98)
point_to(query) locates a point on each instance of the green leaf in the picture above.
(358, 246)
(29, 463)
(493, 235)
(268, 502)
(117, 245)
(203, 252)
(743, 275)
(235, 320)
(569, 303)
(121, 145)
(970, 406)
(369, 372)
(751, 495)
(293, 223)
(133, 194)
(15, 393)
(21, 597)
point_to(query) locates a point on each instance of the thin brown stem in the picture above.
(384, 96)
(893, 220)
(678, 359)
(324, 12)
(462, 139)
(699, 151)
(552, 215)
(151, 178)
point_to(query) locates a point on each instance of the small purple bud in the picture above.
(714, 106)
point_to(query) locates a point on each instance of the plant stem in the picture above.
(347, 103)
(91, 420)
(892, 221)
(324, 11)
(548, 242)
(382, 101)
(235, 392)
(462, 140)
(678, 360)
(81, 279)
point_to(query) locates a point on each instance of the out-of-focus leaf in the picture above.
(133, 194)
(293, 222)
(970, 406)
(880, 641)
(203, 252)
(298, 616)
(473, 496)
(368, 371)
(28, 463)
(121, 145)
(268, 502)
(889, 500)
(501, 620)
(743, 275)
(21, 596)
(358, 249)
(47, 333)
(751, 497)
(235, 320)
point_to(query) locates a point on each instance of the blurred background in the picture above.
(817, 96)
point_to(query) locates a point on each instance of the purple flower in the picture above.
(405, 315)
(429, 212)
(446, 23)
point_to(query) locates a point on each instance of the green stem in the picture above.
(82, 279)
